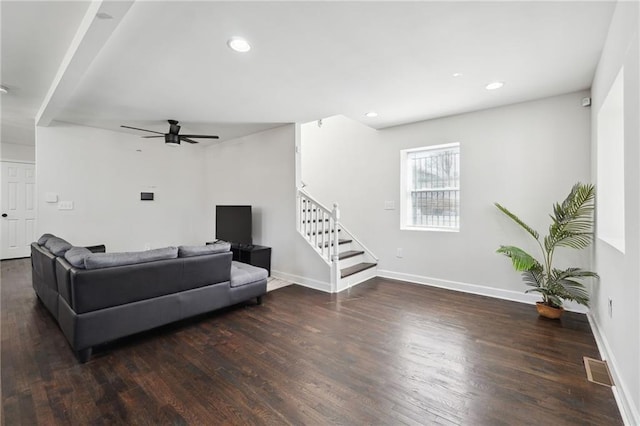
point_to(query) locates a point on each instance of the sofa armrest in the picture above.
(97, 249)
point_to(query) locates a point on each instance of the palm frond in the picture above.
(534, 277)
(517, 220)
(567, 286)
(574, 290)
(554, 300)
(559, 274)
(566, 239)
(572, 220)
(522, 261)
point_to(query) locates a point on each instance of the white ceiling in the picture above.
(310, 60)
(35, 37)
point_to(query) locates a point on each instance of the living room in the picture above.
(525, 153)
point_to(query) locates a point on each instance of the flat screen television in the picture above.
(233, 224)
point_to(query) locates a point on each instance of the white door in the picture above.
(18, 208)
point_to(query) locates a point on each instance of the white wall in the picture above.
(525, 156)
(103, 174)
(620, 273)
(259, 170)
(17, 152)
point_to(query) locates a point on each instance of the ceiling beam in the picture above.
(100, 21)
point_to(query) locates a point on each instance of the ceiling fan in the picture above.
(173, 138)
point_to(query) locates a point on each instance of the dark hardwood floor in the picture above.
(386, 353)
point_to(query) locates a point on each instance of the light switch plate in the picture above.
(65, 205)
(389, 205)
(51, 197)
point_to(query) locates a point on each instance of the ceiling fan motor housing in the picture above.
(172, 139)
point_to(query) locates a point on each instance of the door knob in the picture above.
(4, 215)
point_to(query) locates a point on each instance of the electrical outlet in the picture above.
(399, 252)
(610, 308)
(147, 246)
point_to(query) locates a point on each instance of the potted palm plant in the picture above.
(572, 227)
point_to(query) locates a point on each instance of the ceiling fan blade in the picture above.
(152, 136)
(182, 138)
(144, 130)
(201, 136)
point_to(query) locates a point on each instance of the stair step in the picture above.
(326, 243)
(346, 272)
(326, 231)
(348, 254)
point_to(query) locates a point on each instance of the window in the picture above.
(430, 179)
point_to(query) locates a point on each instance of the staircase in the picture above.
(350, 261)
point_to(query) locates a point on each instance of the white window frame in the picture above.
(405, 191)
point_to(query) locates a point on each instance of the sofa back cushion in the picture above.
(42, 240)
(76, 255)
(57, 246)
(217, 247)
(107, 260)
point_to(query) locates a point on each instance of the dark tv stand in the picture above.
(253, 255)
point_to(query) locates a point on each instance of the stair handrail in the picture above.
(353, 237)
(329, 252)
(306, 194)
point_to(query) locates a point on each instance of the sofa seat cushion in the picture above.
(243, 274)
(57, 246)
(107, 260)
(217, 247)
(76, 255)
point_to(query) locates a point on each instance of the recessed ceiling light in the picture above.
(371, 114)
(103, 15)
(457, 74)
(4, 90)
(239, 44)
(495, 85)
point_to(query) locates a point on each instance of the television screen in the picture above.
(233, 224)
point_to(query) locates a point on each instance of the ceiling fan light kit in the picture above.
(173, 138)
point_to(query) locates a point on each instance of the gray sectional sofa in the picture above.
(97, 297)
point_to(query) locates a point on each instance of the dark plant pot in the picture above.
(548, 311)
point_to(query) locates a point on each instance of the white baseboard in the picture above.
(628, 410)
(274, 283)
(303, 281)
(324, 286)
(498, 293)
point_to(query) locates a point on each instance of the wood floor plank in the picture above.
(383, 352)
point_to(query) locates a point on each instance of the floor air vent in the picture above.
(597, 371)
